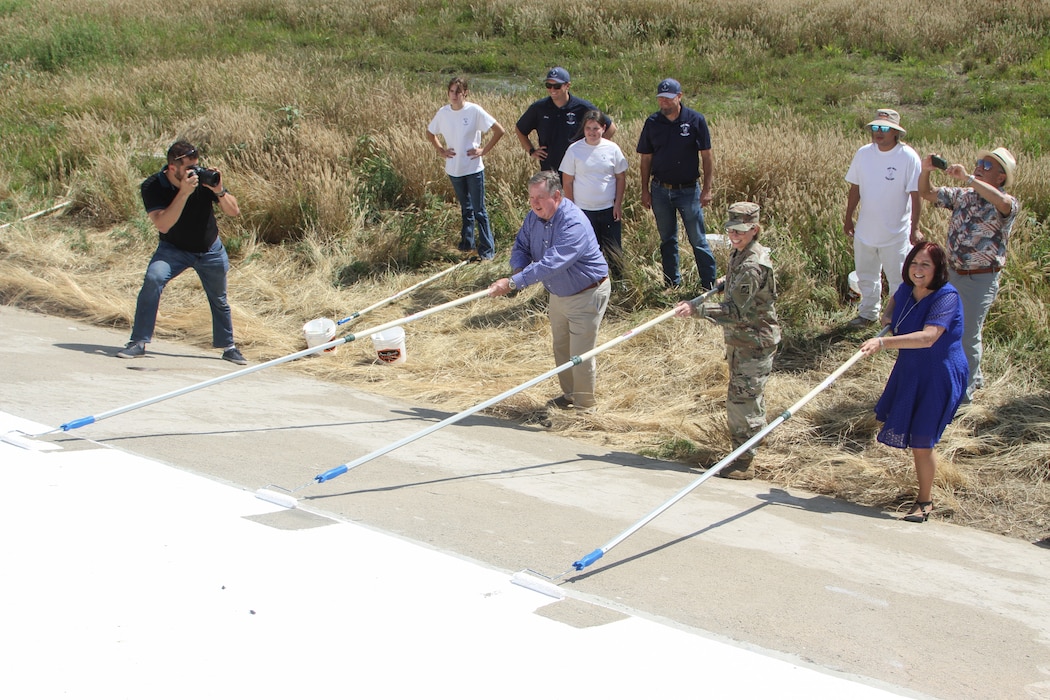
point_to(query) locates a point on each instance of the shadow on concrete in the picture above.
(110, 351)
(672, 543)
(821, 504)
(775, 497)
(243, 431)
(598, 462)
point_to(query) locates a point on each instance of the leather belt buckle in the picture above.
(978, 271)
(593, 285)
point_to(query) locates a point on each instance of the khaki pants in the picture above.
(977, 293)
(574, 329)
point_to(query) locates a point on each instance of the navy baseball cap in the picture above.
(558, 75)
(668, 88)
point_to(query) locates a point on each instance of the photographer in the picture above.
(180, 200)
(982, 216)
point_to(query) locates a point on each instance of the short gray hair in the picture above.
(550, 180)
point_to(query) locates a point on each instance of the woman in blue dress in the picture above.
(929, 378)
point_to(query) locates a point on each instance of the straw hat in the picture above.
(1005, 159)
(887, 117)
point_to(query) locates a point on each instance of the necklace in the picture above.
(911, 308)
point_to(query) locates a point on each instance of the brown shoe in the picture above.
(561, 402)
(742, 472)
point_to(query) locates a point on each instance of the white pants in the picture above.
(871, 262)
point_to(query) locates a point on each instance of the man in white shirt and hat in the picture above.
(884, 180)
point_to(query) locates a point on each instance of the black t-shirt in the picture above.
(556, 127)
(196, 230)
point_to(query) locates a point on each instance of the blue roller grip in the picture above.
(78, 423)
(331, 474)
(588, 560)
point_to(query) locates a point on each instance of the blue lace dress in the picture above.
(926, 384)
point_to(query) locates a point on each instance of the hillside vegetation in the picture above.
(315, 111)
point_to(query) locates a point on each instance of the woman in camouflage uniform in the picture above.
(749, 320)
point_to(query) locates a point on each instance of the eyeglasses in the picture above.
(875, 128)
(553, 86)
(985, 164)
(190, 154)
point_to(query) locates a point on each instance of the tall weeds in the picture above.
(315, 111)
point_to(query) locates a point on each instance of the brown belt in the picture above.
(977, 271)
(592, 286)
(669, 186)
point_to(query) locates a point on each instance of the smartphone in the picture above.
(938, 162)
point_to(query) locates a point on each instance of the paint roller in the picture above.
(23, 440)
(541, 583)
(286, 497)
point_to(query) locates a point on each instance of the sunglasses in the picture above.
(985, 164)
(191, 154)
(875, 128)
(553, 86)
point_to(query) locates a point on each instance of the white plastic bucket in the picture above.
(390, 345)
(320, 331)
(854, 284)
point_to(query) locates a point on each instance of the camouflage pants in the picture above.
(749, 368)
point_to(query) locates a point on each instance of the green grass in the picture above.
(961, 75)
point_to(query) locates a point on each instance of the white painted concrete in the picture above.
(126, 578)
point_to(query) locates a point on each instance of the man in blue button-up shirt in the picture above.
(556, 246)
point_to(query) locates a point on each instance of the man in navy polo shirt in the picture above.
(556, 119)
(673, 142)
(182, 209)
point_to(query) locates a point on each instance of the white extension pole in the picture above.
(403, 292)
(286, 500)
(597, 554)
(88, 420)
(60, 205)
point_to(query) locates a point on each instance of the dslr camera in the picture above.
(206, 176)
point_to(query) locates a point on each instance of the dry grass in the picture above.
(662, 392)
(342, 209)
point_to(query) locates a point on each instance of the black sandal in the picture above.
(919, 512)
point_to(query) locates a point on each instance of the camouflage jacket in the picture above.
(748, 315)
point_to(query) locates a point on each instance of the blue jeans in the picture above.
(666, 204)
(608, 231)
(169, 262)
(470, 191)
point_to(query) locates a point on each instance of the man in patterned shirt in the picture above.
(979, 229)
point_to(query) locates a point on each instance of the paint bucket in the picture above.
(390, 345)
(854, 285)
(318, 332)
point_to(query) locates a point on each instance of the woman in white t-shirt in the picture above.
(594, 175)
(462, 124)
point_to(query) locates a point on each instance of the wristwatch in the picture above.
(223, 193)
(510, 283)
